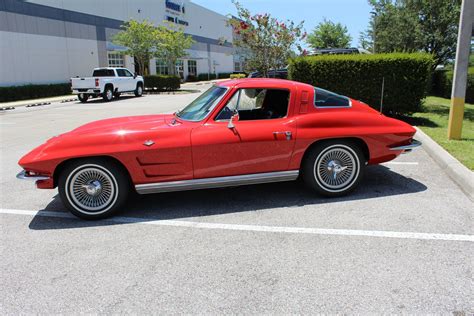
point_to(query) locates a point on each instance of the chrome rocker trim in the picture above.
(219, 182)
(22, 176)
(407, 148)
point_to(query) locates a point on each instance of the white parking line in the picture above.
(401, 163)
(258, 228)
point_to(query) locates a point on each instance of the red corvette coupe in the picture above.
(236, 133)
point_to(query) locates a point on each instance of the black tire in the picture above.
(108, 94)
(139, 90)
(93, 189)
(333, 168)
(117, 95)
(83, 97)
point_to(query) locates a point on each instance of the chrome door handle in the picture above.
(287, 134)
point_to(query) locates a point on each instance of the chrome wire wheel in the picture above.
(336, 168)
(91, 189)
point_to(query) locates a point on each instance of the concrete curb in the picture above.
(459, 173)
(36, 102)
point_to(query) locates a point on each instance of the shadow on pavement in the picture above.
(379, 181)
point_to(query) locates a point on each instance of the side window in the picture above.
(127, 73)
(121, 73)
(257, 104)
(324, 98)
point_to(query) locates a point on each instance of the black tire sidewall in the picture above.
(310, 161)
(83, 99)
(104, 96)
(136, 90)
(122, 190)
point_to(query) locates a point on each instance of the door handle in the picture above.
(287, 134)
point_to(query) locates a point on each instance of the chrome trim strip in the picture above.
(22, 176)
(219, 182)
(414, 144)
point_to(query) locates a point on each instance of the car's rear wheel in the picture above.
(83, 97)
(139, 90)
(93, 188)
(108, 94)
(333, 168)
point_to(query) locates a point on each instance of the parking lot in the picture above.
(401, 243)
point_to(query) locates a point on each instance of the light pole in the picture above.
(458, 94)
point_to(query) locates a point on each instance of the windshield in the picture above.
(203, 105)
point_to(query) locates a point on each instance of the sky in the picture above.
(352, 13)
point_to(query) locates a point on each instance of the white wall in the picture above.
(30, 58)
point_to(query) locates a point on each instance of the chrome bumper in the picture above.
(22, 176)
(407, 148)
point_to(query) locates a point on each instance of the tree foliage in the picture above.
(328, 34)
(414, 25)
(139, 39)
(266, 42)
(171, 44)
(143, 41)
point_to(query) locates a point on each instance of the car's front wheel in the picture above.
(139, 90)
(83, 97)
(333, 168)
(93, 188)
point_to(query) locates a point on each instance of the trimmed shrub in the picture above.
(191, 78)
(237, 76)
(442, 83)
(162, 83)
(204, 77)
(15, 93)
(406, 76)
(224, 75)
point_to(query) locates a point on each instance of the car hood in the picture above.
(123, 124)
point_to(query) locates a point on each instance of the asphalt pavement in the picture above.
(401, 243)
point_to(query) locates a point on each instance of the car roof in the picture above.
(247, 82)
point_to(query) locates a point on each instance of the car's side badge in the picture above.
(149, 143)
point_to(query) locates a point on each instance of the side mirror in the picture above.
(234, 117)
(135, 75)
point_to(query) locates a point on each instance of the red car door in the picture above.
(262, 140)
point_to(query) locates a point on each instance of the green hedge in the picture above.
(443, 81)
(15, 93)
(407, 77)
(165, 83)
(224, 75)
(204, 77)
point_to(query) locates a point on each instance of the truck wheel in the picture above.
(139, 90)
(93, 188)
(333, 168)
(117, 95)
(83, 97)
(108, 94)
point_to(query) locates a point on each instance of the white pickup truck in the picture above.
(107, 82)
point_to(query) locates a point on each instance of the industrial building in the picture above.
(49, 41)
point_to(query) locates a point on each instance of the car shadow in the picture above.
(379, 181)
(100, 100)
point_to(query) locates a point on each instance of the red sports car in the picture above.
(236, 133)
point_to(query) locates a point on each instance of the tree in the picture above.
(267, 42)
(139, 39)
(328, 34)
(171, 44)
(415, 25)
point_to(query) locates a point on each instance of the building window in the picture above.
(180, 68)
(192, 67)
(115, 59)
(161, 67)
(237, 66)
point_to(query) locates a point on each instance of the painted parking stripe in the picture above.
(401, 163)
(258, 228)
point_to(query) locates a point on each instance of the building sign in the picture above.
(175, 11)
